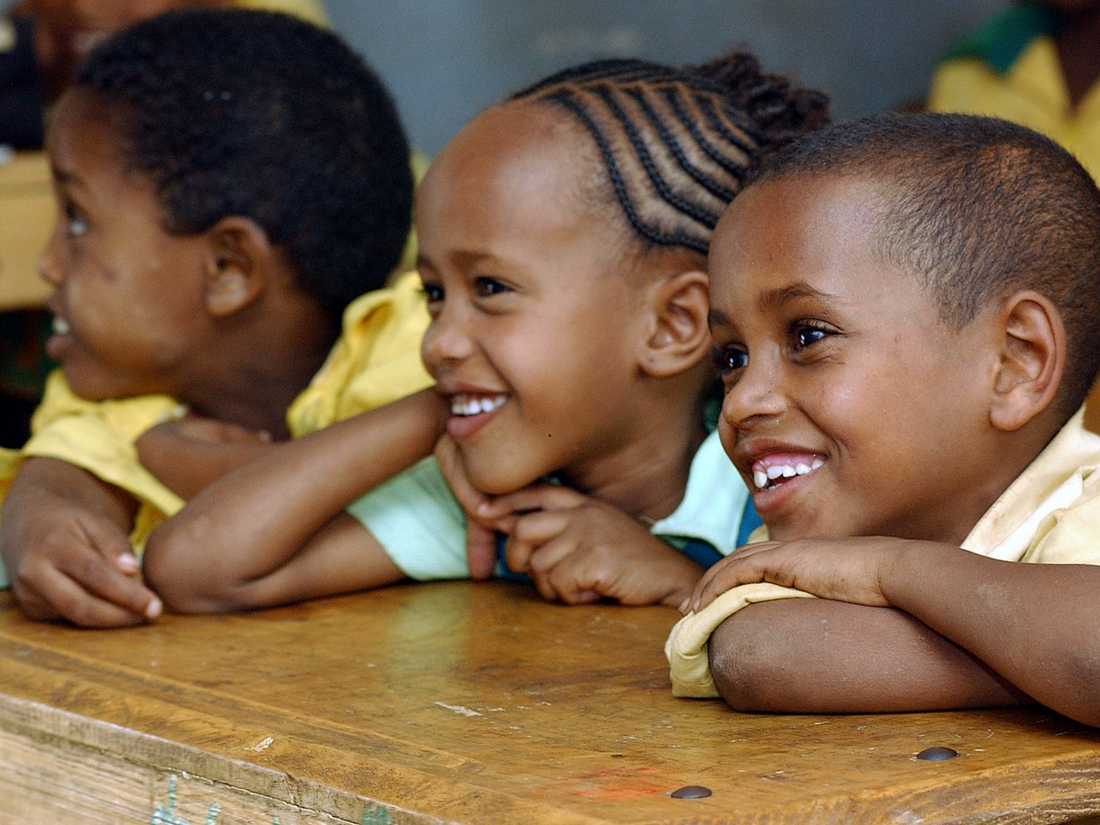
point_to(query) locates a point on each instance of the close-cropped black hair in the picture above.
(979, 208)
(677, 144)
(257, 114)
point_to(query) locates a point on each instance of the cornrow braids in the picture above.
(678, 144)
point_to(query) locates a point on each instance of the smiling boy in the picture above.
(906, 316)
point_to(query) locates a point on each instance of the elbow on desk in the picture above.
(743, 668)
(181, 574)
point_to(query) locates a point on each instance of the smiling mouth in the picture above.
(60, 326)
(464, 405)
(769, 473)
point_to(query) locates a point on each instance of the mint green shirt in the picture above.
(419, 523)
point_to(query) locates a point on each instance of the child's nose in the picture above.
(756, 399)
(446, 340)
(48, 266)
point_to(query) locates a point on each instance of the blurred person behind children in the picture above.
(1036, 64)
(228, 183)
(905, 315)
(563, 237)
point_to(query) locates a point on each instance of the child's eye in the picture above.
(75, 225)
(487, 287)
(433, 293)
(805, 335)
(728, 359)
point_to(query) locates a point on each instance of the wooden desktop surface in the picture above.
(26, 216)
(471, 703)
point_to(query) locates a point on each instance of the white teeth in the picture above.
(464, 405)
(60, 326)
(763, 477)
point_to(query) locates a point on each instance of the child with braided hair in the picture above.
(563, 237)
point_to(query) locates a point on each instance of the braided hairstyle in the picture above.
(678, 144)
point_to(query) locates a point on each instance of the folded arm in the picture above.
(187, 454)
(273, 531)
(907, 626)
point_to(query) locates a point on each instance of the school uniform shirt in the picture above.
(1049, 515)
(376, 360)
(309, 10)
(1010, 69)
(422, 527)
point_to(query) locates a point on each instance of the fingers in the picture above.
(569, 560)
(532, 533)
(535, 497)
(56, 595)
(736, 569)
(481, 550)
(86, 575)
(450, 463)
(108, 572)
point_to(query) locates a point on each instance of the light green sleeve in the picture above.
(418, 522)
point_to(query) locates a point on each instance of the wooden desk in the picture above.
(26, 217)
(471, 703)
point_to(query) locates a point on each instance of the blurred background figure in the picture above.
(1037, 64)
(66, 30)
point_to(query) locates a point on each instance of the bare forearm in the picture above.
(1034, 624)
(252, 521)
(203, 464)
(821, 656)
(341, 557)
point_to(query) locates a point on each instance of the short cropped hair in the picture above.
(979, 208)
(257, 114)
(677, 143)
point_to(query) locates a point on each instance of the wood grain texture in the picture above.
(26, 217)
(472, 703)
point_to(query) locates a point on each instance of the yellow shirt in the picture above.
(1032, 92)
(310, 10)
(375, 361)
(1049, 515)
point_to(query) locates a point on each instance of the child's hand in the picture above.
(188, 453)
(844, 570)
(481, 534)
(78, 565)
(578, 549)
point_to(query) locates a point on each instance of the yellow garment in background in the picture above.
(1049, 515)
(1032, 92)
(310, 10)
(376, 360)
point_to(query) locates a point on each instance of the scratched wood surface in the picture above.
(471, 703)
(26, 216)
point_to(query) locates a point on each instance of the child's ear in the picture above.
(1032, 359)
(239, 265)
(678, 337)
